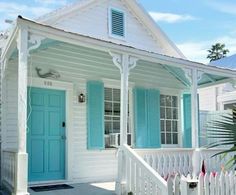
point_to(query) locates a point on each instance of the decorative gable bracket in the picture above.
(35, 42)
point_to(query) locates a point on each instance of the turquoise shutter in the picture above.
(95, 115)
(140, 122)
(187, 134)
(147, 118)
(154, 133)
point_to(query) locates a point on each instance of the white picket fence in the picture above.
(217, 184)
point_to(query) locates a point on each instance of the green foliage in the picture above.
(217, 52)
(223, 130)
(130, 193)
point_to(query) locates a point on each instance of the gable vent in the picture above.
(117, 23)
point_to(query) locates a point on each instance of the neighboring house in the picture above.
(223, 96)
(81, 81)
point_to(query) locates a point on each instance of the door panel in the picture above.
(45, 143)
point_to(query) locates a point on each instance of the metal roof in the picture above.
(227, 62)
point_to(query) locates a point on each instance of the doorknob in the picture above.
(63, 137)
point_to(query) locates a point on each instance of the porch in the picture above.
(147, 79)
(81, 189)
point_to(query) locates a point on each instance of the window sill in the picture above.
(170, 146)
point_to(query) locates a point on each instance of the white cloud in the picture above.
(10, 10)
(224, 7)
(13, 9)
(170, 17)
(52, 2)
(197, 51)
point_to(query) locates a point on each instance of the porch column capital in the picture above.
(35, 41)
(189, 74)
(199, 75)
(124, 62)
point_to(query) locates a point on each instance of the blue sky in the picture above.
(192, 25)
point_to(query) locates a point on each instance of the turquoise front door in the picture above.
(46, 134)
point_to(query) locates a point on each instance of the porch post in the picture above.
(194, 109)
(21, 179)
(196, 76)
(125, 63)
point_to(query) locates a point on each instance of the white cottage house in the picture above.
(92, 77)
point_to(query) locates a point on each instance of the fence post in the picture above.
(196, 163)
(169, 186)
(177, 185)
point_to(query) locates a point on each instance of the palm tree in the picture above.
(217, 52)
(223, 130)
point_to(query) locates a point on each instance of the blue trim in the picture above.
(147, 118)
(140, 122)
(95, 115)
(154, 132)
(119, 29)
(187, 115)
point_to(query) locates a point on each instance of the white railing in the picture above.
(9, 163)
(141, 179)
(168, 162)
(217, 184)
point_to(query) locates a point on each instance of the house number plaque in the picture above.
(48, 83)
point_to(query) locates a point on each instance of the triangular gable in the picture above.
(90, 17)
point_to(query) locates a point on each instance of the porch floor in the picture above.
(107, 188)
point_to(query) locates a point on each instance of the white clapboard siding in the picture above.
(95, 16)
(208, 99)
(10, 107)
(77, 65)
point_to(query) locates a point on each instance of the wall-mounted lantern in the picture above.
(81, 98)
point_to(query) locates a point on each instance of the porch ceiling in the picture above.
(74, 60)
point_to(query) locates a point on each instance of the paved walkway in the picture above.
(83, 189)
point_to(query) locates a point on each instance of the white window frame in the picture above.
(179, 125)
(110, 24)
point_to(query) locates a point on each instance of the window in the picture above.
(169, 119)
(112, 118)
(112, 110)
(117, 23)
